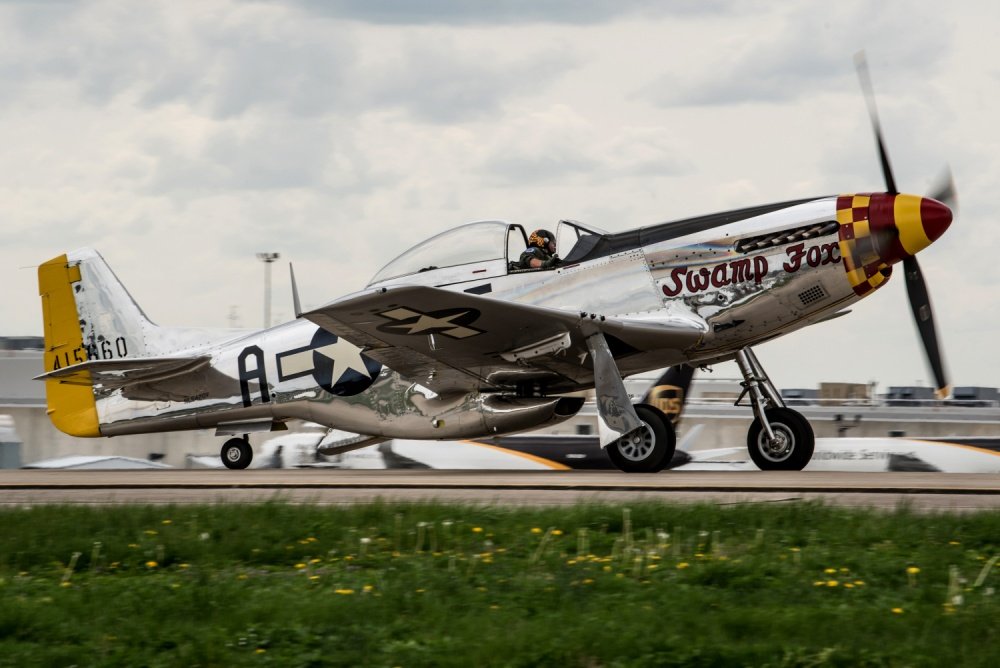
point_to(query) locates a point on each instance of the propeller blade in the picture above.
(945, 192)
(861, 63)
(920, 304)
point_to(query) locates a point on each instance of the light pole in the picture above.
(267, 259)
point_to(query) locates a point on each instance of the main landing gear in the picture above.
(779, 438)
(237, 453)
(648, 449)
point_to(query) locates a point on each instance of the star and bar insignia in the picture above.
(453, 322)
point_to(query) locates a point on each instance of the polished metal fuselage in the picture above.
(291, 371)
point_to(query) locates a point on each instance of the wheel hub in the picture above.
(233, 453)
(778, 448)
(638, 445)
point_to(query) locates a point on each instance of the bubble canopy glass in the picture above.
(484, 241)
(474, 242)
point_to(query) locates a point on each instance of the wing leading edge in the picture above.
(455, 341)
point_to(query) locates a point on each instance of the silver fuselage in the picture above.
(272, 375)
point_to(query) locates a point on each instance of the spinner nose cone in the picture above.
(935, 217)
(920, 220)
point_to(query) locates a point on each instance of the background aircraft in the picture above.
(453, 340)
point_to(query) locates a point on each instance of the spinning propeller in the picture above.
(916, 288)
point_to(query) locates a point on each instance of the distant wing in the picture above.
(450, 340)
(114, 374)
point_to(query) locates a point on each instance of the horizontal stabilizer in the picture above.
(114, 374)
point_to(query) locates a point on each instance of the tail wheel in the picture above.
(793, 443)
(648, 449)
(237, 453)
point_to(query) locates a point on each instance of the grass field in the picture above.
(435, 584)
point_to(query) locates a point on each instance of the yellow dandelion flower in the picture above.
(65, 584)
(912, 570)
(557, 532)
(819, 583)
(477, 529)
(314, 577)
(683, 565)
(605, 568)
(588, 581)
(536, 530)
(260, 650)
(570, 562)
(367, 588)
(897, 611)
(343, 592)
(183, 566)
(315, 561)
(151, 564)
(300, 566)
(829, 571)
(832, 583)
(953, 542)
(150, 532)
(421, 590)
(848, 585)
(794, 549)
(652, 566)
(860, 583)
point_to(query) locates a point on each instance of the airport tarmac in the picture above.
(920, 491)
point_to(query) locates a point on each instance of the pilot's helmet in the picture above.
(541, 238)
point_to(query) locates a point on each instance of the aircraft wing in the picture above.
(114, 374)
(455, 341)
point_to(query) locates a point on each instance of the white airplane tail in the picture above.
(95, 332)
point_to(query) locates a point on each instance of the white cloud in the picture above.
(181, 138)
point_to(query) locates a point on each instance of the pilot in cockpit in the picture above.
(541, 251)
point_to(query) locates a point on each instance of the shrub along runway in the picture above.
(923, 491)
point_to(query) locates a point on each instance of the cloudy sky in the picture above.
(180, 138)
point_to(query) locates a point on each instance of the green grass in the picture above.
(434, 584)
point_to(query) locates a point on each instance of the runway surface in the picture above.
(920, 491)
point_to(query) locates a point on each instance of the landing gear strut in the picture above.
(779, 438)
(237, 453)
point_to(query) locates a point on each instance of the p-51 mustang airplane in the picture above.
(451, 341)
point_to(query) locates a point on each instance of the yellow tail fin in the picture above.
(71, 408)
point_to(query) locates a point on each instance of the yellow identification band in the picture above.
(906, 212)
(71, 407)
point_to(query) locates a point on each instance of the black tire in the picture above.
(236, 453)
(795, 441)
(648, 451)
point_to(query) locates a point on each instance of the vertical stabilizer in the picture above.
(71, 408)
(669, 393)
(89, 315)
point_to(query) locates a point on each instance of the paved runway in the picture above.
(922, 491)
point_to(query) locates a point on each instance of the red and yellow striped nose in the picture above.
(906, 224)
(879, 230)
